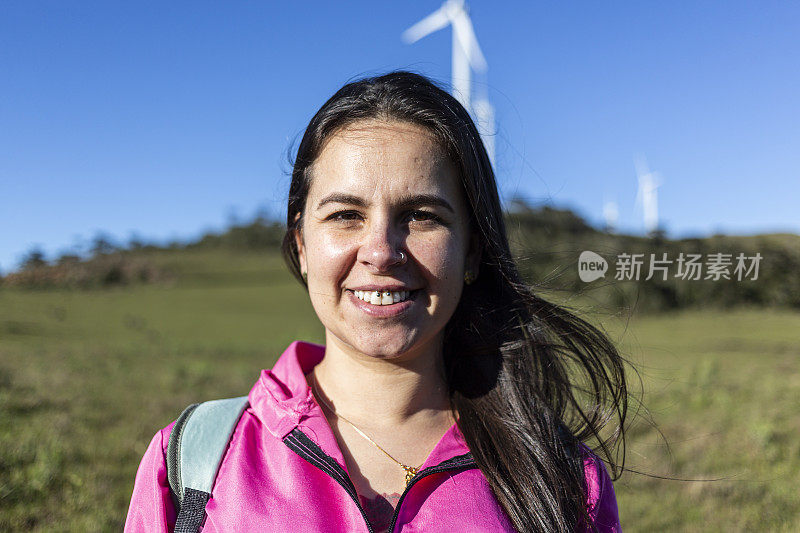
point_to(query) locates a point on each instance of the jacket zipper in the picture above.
(459, 462)
(306, 448)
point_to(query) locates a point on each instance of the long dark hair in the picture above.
(528, 379)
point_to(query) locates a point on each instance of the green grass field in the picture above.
(86, 378)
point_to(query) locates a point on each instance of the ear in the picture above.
(301, 248)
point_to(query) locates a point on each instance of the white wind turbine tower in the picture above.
(610, 215)
(467, 56)
(647, 195)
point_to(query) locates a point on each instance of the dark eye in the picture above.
(423, 216)
(345, 216)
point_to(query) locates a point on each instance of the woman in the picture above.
(446, 397)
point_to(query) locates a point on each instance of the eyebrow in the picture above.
(415, 200)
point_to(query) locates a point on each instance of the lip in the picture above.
(383, 311)
(382, 288)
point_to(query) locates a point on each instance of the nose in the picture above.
(381, 247)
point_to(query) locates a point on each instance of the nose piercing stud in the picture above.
(402, 257)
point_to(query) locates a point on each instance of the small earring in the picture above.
(469, 277)
(305, 277)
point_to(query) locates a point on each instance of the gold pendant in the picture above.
(410, 473)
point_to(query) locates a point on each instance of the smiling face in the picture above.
(378, 189)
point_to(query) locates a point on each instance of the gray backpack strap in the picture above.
(197, 444)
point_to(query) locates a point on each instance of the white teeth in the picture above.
(382, 297)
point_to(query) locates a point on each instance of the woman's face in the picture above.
(379, 188)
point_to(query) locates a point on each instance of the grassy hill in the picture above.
(97, 354)
(87, 377)
(548, 242)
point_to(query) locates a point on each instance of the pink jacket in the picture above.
(263, 484)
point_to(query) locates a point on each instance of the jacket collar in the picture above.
(283, 401)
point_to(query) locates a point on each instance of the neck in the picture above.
(382, 393)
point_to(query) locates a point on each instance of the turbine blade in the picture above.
(637, 205)
(655, 180)
(433, 22)
(641, 166)
(465, 34)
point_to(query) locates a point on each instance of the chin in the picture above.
(392, 347)
(381, 350)
(386, 344)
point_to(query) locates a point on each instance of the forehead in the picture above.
(380, 157)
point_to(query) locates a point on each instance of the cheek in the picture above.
(328, 253)
(442, 258)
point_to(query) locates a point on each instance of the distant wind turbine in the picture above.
(467, 56)
(610, 215)
(647, 195)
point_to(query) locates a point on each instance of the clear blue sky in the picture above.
(164, 118)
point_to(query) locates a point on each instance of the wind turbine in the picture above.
(610, 215)
(647, 195)
(467, 56)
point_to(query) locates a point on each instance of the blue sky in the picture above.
(164, 119)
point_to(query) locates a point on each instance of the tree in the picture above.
(33, 259)
(102, 244)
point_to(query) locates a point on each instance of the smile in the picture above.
(382, 297)
(388, 304)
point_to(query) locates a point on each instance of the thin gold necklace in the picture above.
(410, 470)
